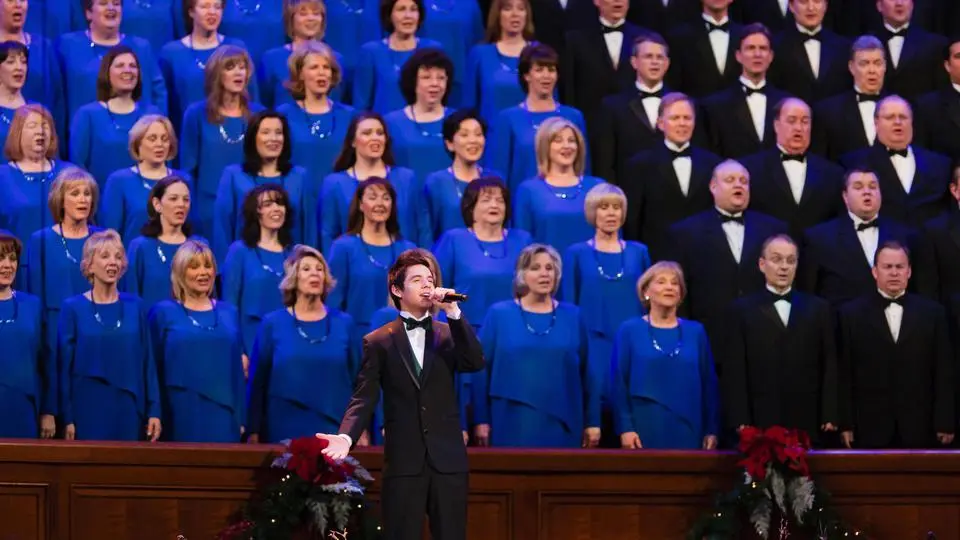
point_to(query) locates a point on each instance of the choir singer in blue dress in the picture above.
(25, 373)
(664, 380)
(536, 390)
(305, 359)
(197, 347)
(108, 384)
(550, 205)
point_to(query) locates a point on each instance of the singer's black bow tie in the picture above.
(426, 323)
(868, 225)
(724, 218)
(793, 157)
(750, 91)
(809, 37)
(867, 97)
(611, 29)
(774, 297)
(891, 152)
(888, 301)
(725, 27)
(890, 34)
(644, 94)
(679, 153)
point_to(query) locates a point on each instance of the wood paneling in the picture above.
(88, 491)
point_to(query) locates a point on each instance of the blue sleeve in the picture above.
(480, 387)
(471, 80)
(570, 282)
(157, 325)
(66, 349)
(151, 381)
(48, 370)
(710, 399)
(340, 269)
(582, 124)
(620, 382)
(592, 385)
(81, 130)
(523, 217)
(158, 87)
(233, 276)
(261, 364)
(111, 206)
(644, 258)
(425, 235)
(364, 78)
(308, 210)
(35, 285)
(179, 22)
(266, 81)
(499, 150)
(239, 380)
(57, 97)
(476, 23)
(224, 216)
(190, 136)
(132, 279)
(445, 252)
(328, 214)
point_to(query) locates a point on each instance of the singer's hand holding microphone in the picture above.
(447, 300)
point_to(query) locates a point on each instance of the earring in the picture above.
(647, 298)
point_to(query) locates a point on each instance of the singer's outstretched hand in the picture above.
(450, 308)
(337, 446)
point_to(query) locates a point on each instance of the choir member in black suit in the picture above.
(704, 59)
(739, 120)
(942, 234)
(788, 182)
(938, 112)
(597, 62)
(844, 122)
(780, 364)
(552, 19)
(809, 60)
(896, 373)
(913, 180)
(628, 120)
(670, 181)
(774, 14)
(719, 248)
(663, 15)
(855, 17)
(838, 254)
(913, 54)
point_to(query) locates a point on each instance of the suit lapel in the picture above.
(850, 244)
(636, 105)
(706, 51)
(878, 318)
(600, 45)
(951, 102)
(809, 183)
(742, 112)
(852, 112)
(669, 174)
(770, 311)
(402, 343)
(780, 175)
(909, 321)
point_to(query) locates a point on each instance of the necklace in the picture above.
(99, 319)
(143, 179)
(245, 10)
(623, 261)
(457, 181)
(196, 58)
(534, 123)
(16, 310)
(299, 326)
(423, 130)
(93, 44)
(486, 253)
(656, 344)
(531, 329)
(503, 62)
(66, 250)
(113, 117)
(373, 261)
(43, 176)
(315, 126)
(265, 266)
(394, 54)
(196, 324)
(230, 140)
(562, 195)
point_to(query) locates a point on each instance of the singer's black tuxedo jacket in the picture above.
(937, 121)
(692, 65)
(837, 126)
(421, 415)
(942, 235)
(920, 69)
(791, 69)
(729, 125)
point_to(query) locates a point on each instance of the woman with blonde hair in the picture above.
(108, 385)
(664, 382)
(152, 145)
(550, 205)
(536, 390)
(202, 401)
(305, 359)
(318, 120)
(54, 253)
(214, 129)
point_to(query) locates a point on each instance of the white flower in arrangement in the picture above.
(351, 486)
(760, 518)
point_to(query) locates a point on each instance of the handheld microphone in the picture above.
(454, 297)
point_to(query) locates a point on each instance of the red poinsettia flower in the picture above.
(305, 454)
(748, 437)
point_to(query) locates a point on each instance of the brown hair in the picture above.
(355, 216)
(493, 21)
(398, 271)
(104, 88)
(10, 244)
(58, 191)
(188, 252)
(224, 58)
(12, 149)
(290, 8)
(139, 131)
(298, 59)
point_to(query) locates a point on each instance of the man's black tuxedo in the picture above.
(770, 191)
(552, 21)
(766, 12)
(895, 394)
(655, 200)
(857, 17)
(662, 19)
(777, 375)
(942, 235)
(791, 69)
(694, 69)
(937, 121)
(832, 263)
(729, 125)
(838, 126)
(928, 195)
(920, 69)
(423, 442)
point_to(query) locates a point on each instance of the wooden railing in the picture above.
(91, 491)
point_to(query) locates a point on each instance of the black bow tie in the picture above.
(725, 27)
(677, 154)
(891, 152)
(867, 97)
(644, 94)
(611, 29)
(809, 37)
(868, 225)
(774, 297)
(750, 91)
(890, 34)
(426, 323)
(888, 301)
(724, 218)
(793, 157)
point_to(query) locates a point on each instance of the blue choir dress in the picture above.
(667, 396)
(443, 192)
(228, 209)
(417, 146)
(361, 273)
(482, 270)
(80, 58)
(24, 369)
(44, 82)
(108, 384)
(124, 201)
(604, 285)
(316, 138)
(303, 374)
(206, 149)
(251, 282)
(376, 82)
(53, 275)
(148, 271)
(152, 21)
(356, 22)
(273, 73)
(259, 23)
(54, 17)
(553, 215)
(535, 390)
(100, 139)
(202, 386)
(183, 69)
(492, 81)
(511, 144)
(333, 206)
